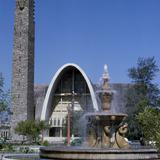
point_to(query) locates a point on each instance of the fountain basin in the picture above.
(28, 156)
(83, 153)
(108, 116)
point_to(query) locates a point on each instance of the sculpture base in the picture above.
(79, 153)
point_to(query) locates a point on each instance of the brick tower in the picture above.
(23, 64)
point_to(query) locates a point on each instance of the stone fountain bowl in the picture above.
(84, 153)
(115, 118)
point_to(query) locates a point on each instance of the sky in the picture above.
(90, 33)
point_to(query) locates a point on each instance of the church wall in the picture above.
(39, 95)
(118, 102)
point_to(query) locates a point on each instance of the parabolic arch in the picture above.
(51, 89)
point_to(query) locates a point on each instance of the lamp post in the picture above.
(68, 126)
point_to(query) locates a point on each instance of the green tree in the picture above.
(27, 129)
(144, 92)
(21, 129)
(142, 77)
(31, 129)
(149, 120)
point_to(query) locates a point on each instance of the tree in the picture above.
(31, 129)
(4, 96)
(27, 129)
(142, 93)
(21, 129)
(149, 120)
(142, 76)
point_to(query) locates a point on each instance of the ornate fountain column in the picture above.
(106, 94)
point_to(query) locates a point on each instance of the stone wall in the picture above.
(39, 95)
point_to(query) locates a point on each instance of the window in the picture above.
(58, 122)
(63, 121)
(55, 122)
(50, 121)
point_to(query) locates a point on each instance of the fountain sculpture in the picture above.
(107, 129)
(105, 135)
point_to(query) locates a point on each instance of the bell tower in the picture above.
(23, 63)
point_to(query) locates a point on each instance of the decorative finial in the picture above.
(106, 73)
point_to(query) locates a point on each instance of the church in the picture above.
(69, 89)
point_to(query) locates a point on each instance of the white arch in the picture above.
(47, 100)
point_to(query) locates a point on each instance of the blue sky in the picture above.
(90, 33)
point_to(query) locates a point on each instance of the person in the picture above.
(142, 142)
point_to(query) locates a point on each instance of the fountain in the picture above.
(105, 135)
(107, 129)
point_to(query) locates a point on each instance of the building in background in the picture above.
(5, 125)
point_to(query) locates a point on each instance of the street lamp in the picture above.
(68, 125)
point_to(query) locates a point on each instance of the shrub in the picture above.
(45, 143)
